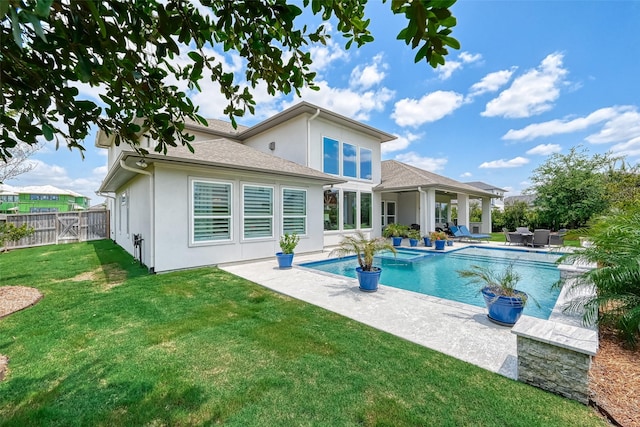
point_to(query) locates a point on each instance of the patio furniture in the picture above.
(523, 230)
(557, 239)
(519, 238)
(540, 237)
(463, 233)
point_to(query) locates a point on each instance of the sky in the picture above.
(532, 78)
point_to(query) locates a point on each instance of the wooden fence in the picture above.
(53, 228)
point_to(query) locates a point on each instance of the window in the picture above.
(349, 160)
(365, 163)
(365, 210)
(349, 210)
(294, 211)
(42, 210)
(211, 211)
(331, 156)
(388, 213)
(442, 212)
(331, 207)
(257, 211)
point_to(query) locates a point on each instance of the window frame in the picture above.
(306, 210)
(244, 216)
(192, 216)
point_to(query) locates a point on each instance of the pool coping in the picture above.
(456, 329)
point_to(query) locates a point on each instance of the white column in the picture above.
(463, 209)
(429, 211)
(486, 215)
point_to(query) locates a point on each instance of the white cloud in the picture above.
(630, 148)
(516, 162)
(452, 65)
(430, 108)
(401, 143)
(431, 164)
(491, 82)
(545, 149)
(354, 104)
(466, 175)
(532, 93)
(323, 55)
(366, 76)
(563, 126)
(621, 128)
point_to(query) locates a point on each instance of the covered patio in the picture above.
(411, 195)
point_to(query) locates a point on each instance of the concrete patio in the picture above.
(459, 330)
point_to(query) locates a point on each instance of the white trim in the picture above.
(272, 216)
(192, 241)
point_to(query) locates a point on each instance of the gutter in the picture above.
(309, 120)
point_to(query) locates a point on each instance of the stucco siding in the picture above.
(174, 249)
(133, 217)
(290, 140)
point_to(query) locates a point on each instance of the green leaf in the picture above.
(15, 28)
(4, 8)
(36, 26)
(96, 15)
(43, 8)
(47, 131)
(195, 56)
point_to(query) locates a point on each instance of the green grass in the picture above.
(111, 345)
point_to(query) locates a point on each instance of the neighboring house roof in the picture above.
(46, 189)
(7, 190)
(221, 153)
(484, 186)
(527, 198)
(397, 176)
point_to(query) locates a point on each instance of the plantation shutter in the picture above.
(211, 211)
(258, 212)
(294, 211)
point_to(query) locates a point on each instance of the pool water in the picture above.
(435, 273)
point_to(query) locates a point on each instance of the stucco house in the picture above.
(306, 170)
(40, 198)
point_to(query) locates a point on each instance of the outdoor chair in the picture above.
(506, 236)
(517, 238)
(522, 230)
(540, 238)
(557, 239)
(463, 232)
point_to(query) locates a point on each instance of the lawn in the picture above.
(111, 345)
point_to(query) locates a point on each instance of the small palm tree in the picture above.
(616, 253)
(363, 247)
(499, 283)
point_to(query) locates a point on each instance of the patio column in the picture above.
(427, 210)
(486, 215)
(463, 209)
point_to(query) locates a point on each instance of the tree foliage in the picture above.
(616, 281)
(130, 50)
(17, 164)
(570, 188)
(9, 232)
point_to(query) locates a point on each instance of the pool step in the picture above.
(501, 261)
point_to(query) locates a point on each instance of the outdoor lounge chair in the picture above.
(540, 238)
(463, 232)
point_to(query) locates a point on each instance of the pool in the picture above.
(435, 273)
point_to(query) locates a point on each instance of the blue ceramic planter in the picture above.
(368, 279)
(440, 245)
(427, 241)
(413, 242)
(449, 242)
(397, 241)
(284, 260)
(503, 310)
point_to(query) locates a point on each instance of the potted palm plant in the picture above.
(440, 237)
(365, 250)
(288, 243)
(396, 232)
(504, 302)
(414, 237)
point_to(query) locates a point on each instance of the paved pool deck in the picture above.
(456, 329)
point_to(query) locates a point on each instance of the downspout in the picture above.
(152, 250)
(309, 120)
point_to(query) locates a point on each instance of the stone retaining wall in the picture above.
(555, 357)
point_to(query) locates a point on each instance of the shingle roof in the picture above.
(222, 153)
(397, 176)
(484, 186)
(46, 189)
(220, 126)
